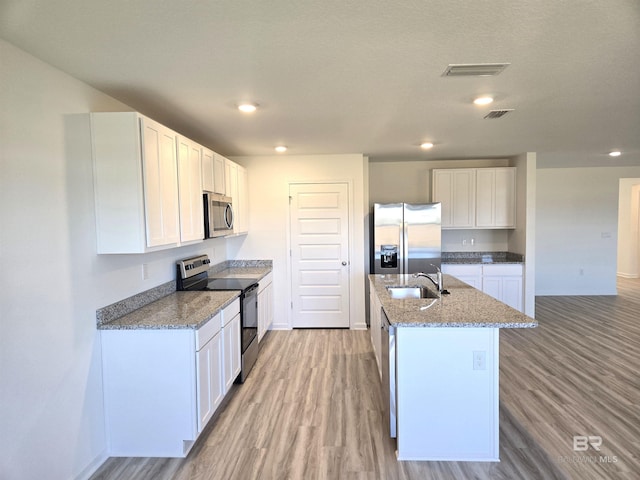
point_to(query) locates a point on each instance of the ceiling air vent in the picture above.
(474, 69)
(498, 113)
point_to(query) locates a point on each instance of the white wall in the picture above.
(522, 239)
(269, 179)
(410, 181)
(577, 229)
(628, 228)
(51, 281)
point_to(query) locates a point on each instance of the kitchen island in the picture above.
(446, 357)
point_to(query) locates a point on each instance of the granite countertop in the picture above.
(481, 257)
(178, 310)
(163, 308)
(464, 307)
(241, 272)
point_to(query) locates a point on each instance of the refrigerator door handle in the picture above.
(404, 245)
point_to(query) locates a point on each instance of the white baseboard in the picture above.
(93, 466)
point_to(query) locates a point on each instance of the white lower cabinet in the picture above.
(231, 337)
(501, 281)
(209, 368)
(504, 283)
(265, 305)
(375, 324)
(470, 273)
(162, 386)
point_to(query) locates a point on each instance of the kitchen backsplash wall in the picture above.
(475, 240)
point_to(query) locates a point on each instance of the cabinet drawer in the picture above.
(502, 270)
(208, 331)
(231, 311)
(457, 270)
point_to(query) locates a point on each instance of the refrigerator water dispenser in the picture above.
(389, 256)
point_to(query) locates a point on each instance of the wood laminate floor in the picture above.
(311, 408)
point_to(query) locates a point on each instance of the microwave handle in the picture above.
(228, 216)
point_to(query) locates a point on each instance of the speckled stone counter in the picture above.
(465, 306)
(481, 257)
(178, 310)
(241, 272)
(163, 307)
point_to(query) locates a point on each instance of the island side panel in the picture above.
(446, 409)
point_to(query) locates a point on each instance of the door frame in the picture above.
(351, 223)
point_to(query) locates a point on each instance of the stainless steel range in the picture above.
(193, 275)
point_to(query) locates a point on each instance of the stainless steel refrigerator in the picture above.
(406, 238)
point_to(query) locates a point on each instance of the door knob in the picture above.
(344, 264)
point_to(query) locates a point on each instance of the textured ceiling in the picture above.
(357, 77)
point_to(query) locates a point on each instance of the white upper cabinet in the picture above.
(476, 197)
(495, 197)
(190, 190)
(213, 172)
(455, 189)
(208, 182)
(147, 182)
(219, 185)
(237, 188)
(135, 183)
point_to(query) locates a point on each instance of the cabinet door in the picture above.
(443, 193)
(505, 198)
(190, 190)
(232, 354)
(160, 175)
(470, 274)
(265, 306)
(455, 189)
(231, 180)
(262, 313)
(493, 286)
(512, 292)
(464, 190)
(485, 197)
(209, 380)
(495, 197)
(219, 175)
(375, 326)
(208, 182)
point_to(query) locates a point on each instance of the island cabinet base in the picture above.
(447, 394)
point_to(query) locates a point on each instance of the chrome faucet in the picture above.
(437, 282)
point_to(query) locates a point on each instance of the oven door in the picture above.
(249, 317)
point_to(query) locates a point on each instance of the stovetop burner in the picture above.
(231, 283)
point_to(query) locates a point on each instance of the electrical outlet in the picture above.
(480, 360)
(464, 242)
(473, 241)
(145, 271)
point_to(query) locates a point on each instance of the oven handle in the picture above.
(250, 289)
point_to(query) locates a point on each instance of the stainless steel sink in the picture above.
(411, 292)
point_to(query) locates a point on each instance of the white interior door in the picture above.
(319, 216)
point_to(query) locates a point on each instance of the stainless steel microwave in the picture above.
(218, 215)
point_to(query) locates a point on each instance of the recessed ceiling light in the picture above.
(281, 148)
(486, 100)
(615, 153)
(247, 107)
(426, 145)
